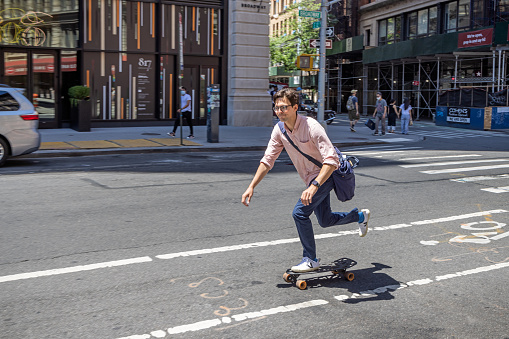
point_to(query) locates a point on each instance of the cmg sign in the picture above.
(458, 114)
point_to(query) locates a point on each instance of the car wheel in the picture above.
(4, 152)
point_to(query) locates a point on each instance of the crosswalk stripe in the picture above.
(481, 178)
(453, 163)
(496, 189)
(393, 150)
(443, 157)
(465, 169)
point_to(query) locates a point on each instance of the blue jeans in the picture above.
(405, 120)
(321, 206)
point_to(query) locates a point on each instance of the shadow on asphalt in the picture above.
(370, 284)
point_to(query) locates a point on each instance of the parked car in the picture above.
(19, 122)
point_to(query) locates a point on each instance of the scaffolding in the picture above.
(421, 79)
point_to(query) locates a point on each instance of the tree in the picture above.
(285, 48)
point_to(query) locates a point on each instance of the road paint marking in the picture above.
(392, 150)
(74, 269)
(420, 282)
(206, 324)
(453, 163)
(395, 139)
(321, 236)
(371, 148)
(465, 169)
(504, 189)
(444, 156)
(109, 264)
(202, 325)
(481, 178)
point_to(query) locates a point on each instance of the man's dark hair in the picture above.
(185, 89)
(287, 93)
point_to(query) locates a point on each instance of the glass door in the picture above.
(34, 71)
(16, 70)
(44, 87)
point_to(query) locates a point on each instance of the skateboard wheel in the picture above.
(349, 276)
(302, 284)
(336, 272)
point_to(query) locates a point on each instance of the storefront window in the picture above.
(503, 10)
(389, 30)
(457, 16)
(39, 23)
(412, 25)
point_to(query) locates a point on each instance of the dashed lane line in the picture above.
(74, 269)
(238, 318)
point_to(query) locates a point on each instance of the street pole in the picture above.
(321, 74)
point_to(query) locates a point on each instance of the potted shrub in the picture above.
(81, 108)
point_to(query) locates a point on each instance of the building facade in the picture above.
(418, 49)
(130, 54)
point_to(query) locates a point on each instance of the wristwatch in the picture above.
(314, 182)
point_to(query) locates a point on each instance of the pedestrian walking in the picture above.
(393, 114)
(310, 137)
(380, 113)
(352, 105)
(185, 110)
(406, 115)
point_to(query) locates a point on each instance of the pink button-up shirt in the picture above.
(311, 139)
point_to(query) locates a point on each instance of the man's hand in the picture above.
(307, 195)
(246, 197)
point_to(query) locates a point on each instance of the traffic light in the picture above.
(305, 62)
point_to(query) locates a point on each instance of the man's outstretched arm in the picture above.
(263, 169)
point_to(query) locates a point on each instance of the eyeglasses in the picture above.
(282, 108)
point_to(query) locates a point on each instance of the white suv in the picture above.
(19, 123)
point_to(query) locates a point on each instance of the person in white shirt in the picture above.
(405, 111)
(185, 110)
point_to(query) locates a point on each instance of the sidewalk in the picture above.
(118, 140)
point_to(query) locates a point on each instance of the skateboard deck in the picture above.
(337, 268)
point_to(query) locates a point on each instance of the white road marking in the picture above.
(371, 148)
(74, 269)
(504, 189)
(109, 264)
(465, 169)
(206, 324)
(444, 156)
(426, 281)
(383, 151)
(395, 139)
(202, 325)
(447, 163)
(481, 178)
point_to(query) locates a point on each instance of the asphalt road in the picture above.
(159, 245)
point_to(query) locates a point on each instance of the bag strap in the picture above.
(283, 130)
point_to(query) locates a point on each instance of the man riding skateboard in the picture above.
(312, 139)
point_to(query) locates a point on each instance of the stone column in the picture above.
(249, 103)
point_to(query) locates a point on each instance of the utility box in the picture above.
(213, 107)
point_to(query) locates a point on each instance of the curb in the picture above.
(179, 149)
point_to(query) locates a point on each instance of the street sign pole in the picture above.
(321, 74)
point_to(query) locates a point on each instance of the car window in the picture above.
(7, 102)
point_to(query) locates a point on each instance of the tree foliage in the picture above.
(285, 48)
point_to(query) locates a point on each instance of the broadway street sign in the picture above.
(310, 14)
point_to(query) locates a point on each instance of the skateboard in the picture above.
(337, 268)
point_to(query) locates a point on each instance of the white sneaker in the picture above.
(363, 226)
(307, 265)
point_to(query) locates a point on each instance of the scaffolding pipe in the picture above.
(438, 79)
(493, 74)
(403, 83)
(499, 69)
(456, 71)
(392, 80)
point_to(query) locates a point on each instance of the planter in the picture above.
(81, 115)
